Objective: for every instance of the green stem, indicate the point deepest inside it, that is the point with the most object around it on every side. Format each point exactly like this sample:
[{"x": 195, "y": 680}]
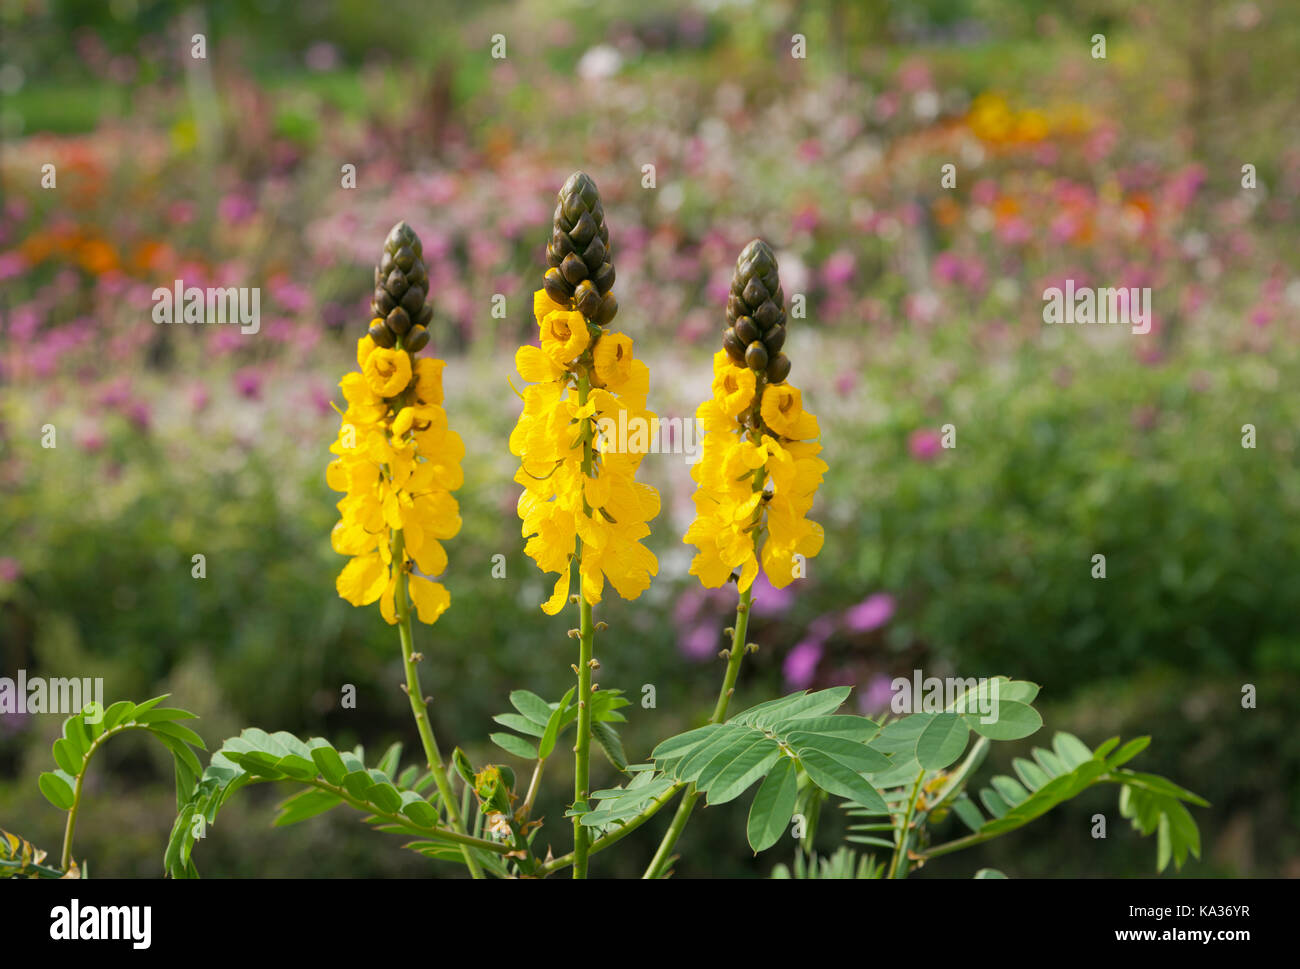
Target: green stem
[
  {"x": 659, "y": 863},
  {"x": 586, "y": 632},
  {"x": 977, "y": 838},
  {"x": 418, "y": 708},
  {"x": 440, "y": 834},
  {"x": 949, "y": 847},
  {"x": 21, "y": 869},
  {"x": 527, "y": 809},
  {"x": 905, "y": 833},
  {"x": 604, "y": 841},
  {"x": 70, "y": 828}
]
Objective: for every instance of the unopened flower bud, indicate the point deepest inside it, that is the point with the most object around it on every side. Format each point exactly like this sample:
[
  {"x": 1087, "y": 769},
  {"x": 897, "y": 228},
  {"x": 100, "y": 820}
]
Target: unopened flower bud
[{"x": 416, "y": 339}]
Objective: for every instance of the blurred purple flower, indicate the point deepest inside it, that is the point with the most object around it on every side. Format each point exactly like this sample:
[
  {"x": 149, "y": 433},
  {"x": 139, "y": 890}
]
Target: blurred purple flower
[
  {"x": 871, "y": 613},
  {"x": 248, "y": 383},
  {"x": 24, "y": 323},
  {"x": 700, "y": 641},
  {"x": 139, "y": 414},
  {"x": 116, "y": 394},
  {"x": 801, "y": 664},
  {"x": 321, "y": 56},
  {"x": 320, "y": 398},
  {"x": 838, "y": 269},
  {"x": 876, "y": 696},
  {"x": 924, "y": 444},
  {"x": 770, "y": 601},
  {"x": 290, "y": 295},
  {"x": 91, "y": 439},
  {"x": 12, "y": 264},
  {"x": 181, "y": 213},
  {"x": 235, "y": 208}
]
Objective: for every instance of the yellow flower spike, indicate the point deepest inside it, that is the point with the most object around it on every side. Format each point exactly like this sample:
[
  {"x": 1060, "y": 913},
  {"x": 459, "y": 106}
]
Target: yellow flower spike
[
  {"x": 397, "y": 463},
  {"x": 758, "y": 472},
  {"x": 581, "y": 507},
  {"x": 397, "y": 460}
]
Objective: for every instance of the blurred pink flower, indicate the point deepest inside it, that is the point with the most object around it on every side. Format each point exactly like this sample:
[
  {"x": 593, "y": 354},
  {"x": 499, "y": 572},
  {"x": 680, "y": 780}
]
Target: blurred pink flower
[
  {"x": 289, "y": 294},
  {"x": 91, "y": 439},
  {"x": 806, "y": 218},
  {"x": 248, "y": 383},
  {"x": 320, "y": 398},
  {"x": 139, "y": 414},
  {"x": 871, "y": 613},
  {"x": 809, "y": 150},
  {"x": 236, "y": 208},
  {"x": 770, "y": 601},
  {"x": 984, "y": 192},
  {"x": 914, "y": 75},
  {"x": 876, "y": 697},
  {"x": 181, "y": 213},
  {"x": 800, "y": 664},
  {"x": 924, "y": 444},
  {"x": 321, "y": 56},
  {"x": 838, "y": 269},
  {"x": 10, "y": 570},
  {"x": 700, "y": 641},
  {"x": 12, "y": 264},
  {"x": 116, "y": 394}
]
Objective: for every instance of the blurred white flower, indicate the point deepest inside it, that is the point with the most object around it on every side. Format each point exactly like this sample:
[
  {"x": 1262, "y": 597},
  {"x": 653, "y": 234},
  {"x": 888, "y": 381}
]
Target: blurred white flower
[
  {"x": 794, "y": 274},
  {"x": 599, "y": 62},
  {"x": 925, "y": 105}
]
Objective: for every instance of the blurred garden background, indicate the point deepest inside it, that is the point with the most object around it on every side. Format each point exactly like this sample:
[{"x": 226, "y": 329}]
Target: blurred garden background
[{"x": 924, "y": 308}]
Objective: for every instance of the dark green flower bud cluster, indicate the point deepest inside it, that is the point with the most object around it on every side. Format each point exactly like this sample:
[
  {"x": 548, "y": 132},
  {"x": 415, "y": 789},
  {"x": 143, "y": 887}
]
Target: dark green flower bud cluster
[
  {"x": 401, "y": 300},
  {"x": 756, "y": 316},
  {"x": 581, "y": 273}
]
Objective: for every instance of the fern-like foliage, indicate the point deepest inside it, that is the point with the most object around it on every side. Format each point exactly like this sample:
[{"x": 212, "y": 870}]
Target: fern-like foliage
[{"x": 329, "y": 777}]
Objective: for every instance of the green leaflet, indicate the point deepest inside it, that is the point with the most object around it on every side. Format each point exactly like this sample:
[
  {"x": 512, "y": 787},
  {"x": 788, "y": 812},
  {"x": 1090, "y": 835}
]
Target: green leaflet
[
  {"x": 773, "y": 805},
  {"x": 546, "y": 722},
  {"x": 942, "y": 741},
  {"x": 725, "y": 760}
]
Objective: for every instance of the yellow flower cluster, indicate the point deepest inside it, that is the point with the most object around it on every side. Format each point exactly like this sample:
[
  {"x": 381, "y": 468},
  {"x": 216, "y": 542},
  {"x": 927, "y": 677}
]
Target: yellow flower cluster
[
  {"x": 758, "y": 473},
  {"x": 398, "y": 462},
  {"x": 994, "y": 120},
  {"x": 579, "y": 484}
]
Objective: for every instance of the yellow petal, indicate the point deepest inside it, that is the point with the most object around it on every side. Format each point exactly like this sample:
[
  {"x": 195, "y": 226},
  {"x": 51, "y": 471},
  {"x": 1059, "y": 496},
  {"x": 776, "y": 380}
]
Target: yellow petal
[
  {"x": 535, "y": 366},
  {"x": 561, "y": 594},
  {"x": 362, "y": 580},
  {"x": 365, "y": 345},
  {"x": 431, "y": 599}
]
